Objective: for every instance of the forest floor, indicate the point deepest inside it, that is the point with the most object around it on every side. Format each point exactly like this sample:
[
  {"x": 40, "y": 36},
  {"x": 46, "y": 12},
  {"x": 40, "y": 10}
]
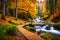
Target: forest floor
[
  {"x": 19, "y": 36},
  {"x": 10, "y": 18}
]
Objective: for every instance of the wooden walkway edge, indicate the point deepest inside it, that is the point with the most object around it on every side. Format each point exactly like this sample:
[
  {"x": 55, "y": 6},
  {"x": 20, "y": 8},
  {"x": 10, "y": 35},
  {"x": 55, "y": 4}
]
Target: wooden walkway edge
[{"x": 27, "y": 34}]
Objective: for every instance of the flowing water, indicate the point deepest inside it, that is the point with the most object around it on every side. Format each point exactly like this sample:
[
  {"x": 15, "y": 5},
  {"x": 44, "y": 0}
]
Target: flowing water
[{"x": 45, "y": 29}]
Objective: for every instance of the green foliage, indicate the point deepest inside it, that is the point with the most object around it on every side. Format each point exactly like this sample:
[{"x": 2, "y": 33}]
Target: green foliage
[
  {"x": 24, "y": 15},
  {"x": 11, "y": 7},
  {"x": 40, "y": 14},
  {"x": 30, "y": 28},
  {"x": 2, "y": 32},
  {"x": 7, "y": 29},
  {"x": 45, "y": 18},
  {"x": 15, "y": 23},
  {"x": 8, "y": 38},
  {"x": 27, "y": 27},
  {"x": 3, "y": 17},
  {"x": 57, "y": 26},
  {"x": 50, "y": 6},
  {"x": 48, "y": 35},
  {"x": 12, "y": 29}
]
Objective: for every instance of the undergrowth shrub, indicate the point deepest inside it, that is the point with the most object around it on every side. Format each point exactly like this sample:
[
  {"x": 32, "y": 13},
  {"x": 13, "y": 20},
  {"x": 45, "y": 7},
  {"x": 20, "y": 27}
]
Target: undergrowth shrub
[
  {"x": 48, "y": 36},
  {"x": 7, "y": 29},
  {"x": 30, "y": 28}
]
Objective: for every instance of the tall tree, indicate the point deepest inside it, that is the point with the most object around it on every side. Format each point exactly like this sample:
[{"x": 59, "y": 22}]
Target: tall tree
[
  {"x": 7, "y": 9},
  {"x": 0, "y": 6},
  {"x": 16, "y": 8},
  {"x": 50, "y": 5},
  {"x": 3, "y": 9}
]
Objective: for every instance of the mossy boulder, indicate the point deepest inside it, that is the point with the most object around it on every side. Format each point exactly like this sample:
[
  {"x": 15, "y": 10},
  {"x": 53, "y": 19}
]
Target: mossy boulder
[
  {"x": 29, "y": 28},
  {"x": 57, "y": 26},
  {"x": 48, "y": 36}
]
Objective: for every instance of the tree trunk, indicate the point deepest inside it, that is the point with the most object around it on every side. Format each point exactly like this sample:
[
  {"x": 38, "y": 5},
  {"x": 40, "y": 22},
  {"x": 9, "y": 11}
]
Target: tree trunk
[
  {"x": 3, "y": 9},
  {"x": 16, "y": 9},
  {"x": 14, "y": 13},
  {"x": 7, "y": 10}
]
